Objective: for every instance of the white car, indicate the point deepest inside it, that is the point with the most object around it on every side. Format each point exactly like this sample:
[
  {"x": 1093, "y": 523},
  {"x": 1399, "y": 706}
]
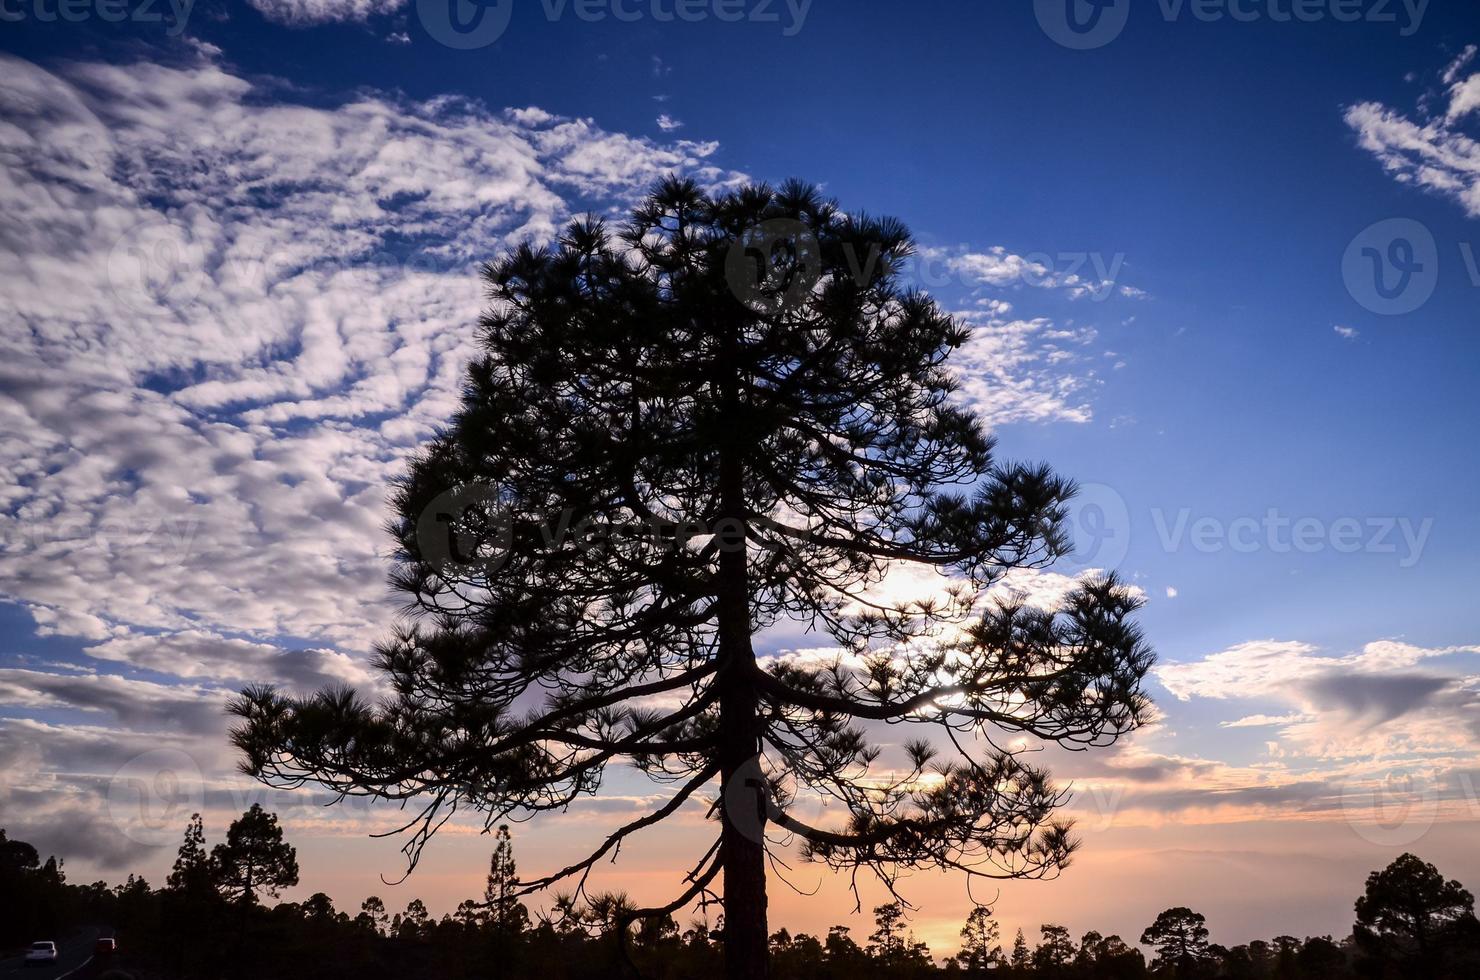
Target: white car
[{"x": 43, "y": 952}]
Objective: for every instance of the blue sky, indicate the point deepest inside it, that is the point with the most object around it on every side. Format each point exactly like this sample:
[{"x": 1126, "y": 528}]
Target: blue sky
[{"x": 1160, "y": 239}]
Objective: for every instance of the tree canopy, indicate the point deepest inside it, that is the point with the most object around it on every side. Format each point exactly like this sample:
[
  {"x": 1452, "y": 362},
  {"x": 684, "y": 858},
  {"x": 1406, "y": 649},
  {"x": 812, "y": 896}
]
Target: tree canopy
[
  {"x": 253, "y": 858},
  {"x": 1411, "y": 916},
  {"x": 729, "y": 411},
  {"x": 1180, "y": 937}
]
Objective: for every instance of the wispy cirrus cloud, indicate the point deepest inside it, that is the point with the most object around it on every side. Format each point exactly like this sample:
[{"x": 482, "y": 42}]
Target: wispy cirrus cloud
[{"x": 1437, "y": 150}]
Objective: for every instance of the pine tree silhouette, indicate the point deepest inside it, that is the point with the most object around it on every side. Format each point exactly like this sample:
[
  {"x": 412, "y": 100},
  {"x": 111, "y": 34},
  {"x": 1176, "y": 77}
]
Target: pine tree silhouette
[{"x": 730, "y": 412}]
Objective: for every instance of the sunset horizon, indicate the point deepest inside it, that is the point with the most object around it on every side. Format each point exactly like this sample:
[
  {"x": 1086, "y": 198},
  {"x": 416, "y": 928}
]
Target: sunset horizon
[{"x": 636, "y": 404}]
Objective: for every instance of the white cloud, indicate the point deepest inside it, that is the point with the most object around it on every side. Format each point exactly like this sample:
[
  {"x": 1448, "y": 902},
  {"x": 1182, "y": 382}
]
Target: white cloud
[
  {"x": 1261, "y": 668},
  {"x": 1017, "y": 370},
  {"x": 1434, "y": 152},
  {"x": 1081, "y": 274},
  {"x": 215, "y": 355},
  {"x": 305, "y": 13},
  {"x": 1261, "y": 721},
  {"x": 217, "y": 350},
  {"x": 1343, "y": 707},
  {"x": 668, "y": 124},
  {"x": 1346, "y": 333},
  {"x": 1451, "y": 73}
]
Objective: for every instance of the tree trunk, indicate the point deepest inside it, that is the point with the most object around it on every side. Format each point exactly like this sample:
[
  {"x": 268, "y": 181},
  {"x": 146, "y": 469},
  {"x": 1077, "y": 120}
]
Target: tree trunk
[
  {"x": 741, "y": 849},
  {"x": 742, "y": 837}
]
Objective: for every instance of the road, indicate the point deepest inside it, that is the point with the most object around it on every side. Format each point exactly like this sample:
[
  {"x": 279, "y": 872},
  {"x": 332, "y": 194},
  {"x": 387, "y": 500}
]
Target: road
[{"x": 74, "y": 959}]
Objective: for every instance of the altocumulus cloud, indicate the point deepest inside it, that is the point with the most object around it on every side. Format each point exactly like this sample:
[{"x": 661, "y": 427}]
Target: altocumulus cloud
[{"x": 233, "y": 311}]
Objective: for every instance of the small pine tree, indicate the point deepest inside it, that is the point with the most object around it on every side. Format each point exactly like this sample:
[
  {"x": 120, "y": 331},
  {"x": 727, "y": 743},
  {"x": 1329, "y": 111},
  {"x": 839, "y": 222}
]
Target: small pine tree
[
  {"x": 372, "y": 915},
  {"x": 414, "y": 924},
  {"x": 887, "y": 942},
  {"x": 1180, "y": 936},
  {"x": 255, "y": 857},
  {"x": 192, "y": 872},
  {"x": 1019, "y": 952},
  {"x": 1056, "y": 951},
  {"x": 505, "y": 912},
  {"x": 979, "y": 946},
  {"x": 470, "y": 915}
]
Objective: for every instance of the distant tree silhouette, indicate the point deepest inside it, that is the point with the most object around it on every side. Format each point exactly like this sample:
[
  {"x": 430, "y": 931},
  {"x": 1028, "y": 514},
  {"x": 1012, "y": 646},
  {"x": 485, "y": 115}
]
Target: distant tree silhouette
[
  {"x": 373, "y": 915},
  {"x": 1410, "y": 916},
  {"x": 32, "y": 893},
  {"x": 1180, "y": 936},
  {"x": 191, "y": 899},
  {"x": 891, "y": 945},
  {"x": 1021, "y": 958},
  {"x": 320, "y": 907},
  {"x": 981, "y": 949},
  {"x": 887, "y": 942},
  {"x": 254, "y": 858},
  {"x": 191, "y": 875},
  {"x": 797, "y": 956},
  {"x": 1055, "y": 952},
  {"x": 1089, "y": 944},
  {"x": 841, "y": 949},
  {"x": 730, "y": 412},
  {"x": 501, "y": 895},
  {"x": 412, "y": 924},
  {"x": 1321, "y": 959},
  {"x": 311, "y": 939},
  {"x": 17, "y": 856},
  {"x": 1109, "y": 958}
]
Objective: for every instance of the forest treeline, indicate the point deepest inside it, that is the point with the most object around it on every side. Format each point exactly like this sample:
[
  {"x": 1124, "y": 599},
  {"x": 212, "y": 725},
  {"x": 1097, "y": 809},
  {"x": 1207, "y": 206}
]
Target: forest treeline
[{"x": 210, "y": 920}]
